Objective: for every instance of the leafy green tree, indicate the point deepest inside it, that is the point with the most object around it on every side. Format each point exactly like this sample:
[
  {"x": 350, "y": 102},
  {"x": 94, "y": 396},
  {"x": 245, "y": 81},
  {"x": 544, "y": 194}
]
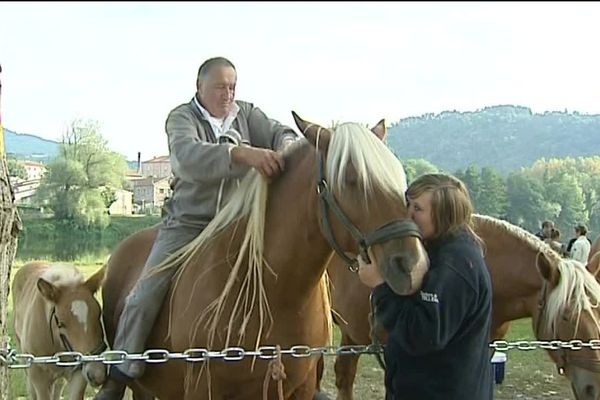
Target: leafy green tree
[
  {"x": 416, "y": 167},
  {"x": 527, "y": 205},
  {"x": 492, "y": 197},
  {"x": 81, "y": 180},
  {"x": 15, "y": 167},
  {"x": 472, "y": 179},
  {"x": 565, "y": 191},
  {"x": 572, "y": 184}
]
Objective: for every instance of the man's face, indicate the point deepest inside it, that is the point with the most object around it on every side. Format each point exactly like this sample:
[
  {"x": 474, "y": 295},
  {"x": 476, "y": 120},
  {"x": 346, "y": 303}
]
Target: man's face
[
  {"x": 548, "y": 229},
  {"x": 217, "y": 91}
]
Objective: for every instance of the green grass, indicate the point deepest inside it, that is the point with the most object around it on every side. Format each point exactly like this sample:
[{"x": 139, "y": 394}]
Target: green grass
[{"x": 529, "y": 374}]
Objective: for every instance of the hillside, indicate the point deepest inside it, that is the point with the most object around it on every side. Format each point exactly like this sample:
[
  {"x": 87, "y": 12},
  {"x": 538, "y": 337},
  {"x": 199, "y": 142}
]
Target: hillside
[
  {"x": 27, "y": 146},
  {"x": 503, "y": 137}
]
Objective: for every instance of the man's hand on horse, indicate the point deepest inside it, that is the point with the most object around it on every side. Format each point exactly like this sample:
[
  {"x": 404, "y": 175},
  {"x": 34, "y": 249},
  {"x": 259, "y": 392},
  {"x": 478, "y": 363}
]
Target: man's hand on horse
[{"x": 268, "y": 162}]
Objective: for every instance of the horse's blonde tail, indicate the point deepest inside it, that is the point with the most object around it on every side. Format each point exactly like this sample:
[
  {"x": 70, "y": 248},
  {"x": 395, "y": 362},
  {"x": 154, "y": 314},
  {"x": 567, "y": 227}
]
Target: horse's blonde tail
[{"x": 326, "y": 294}]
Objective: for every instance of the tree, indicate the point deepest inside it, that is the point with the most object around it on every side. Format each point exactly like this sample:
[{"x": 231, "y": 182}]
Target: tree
[
  {"x": 527, "y": 206},
  {"x": 473, "y": 182},
  {"x": 10, "y": 225},
  {"x": 15, "y": 167},
  {"x": 415, "y": 167},
  {"x": 492, "y": 199},
  {"x": 78, "y": 183}
]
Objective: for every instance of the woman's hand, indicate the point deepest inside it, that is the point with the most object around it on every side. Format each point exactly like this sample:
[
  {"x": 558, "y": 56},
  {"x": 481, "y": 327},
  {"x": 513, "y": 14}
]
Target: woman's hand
[{"x": 369, "y": 273}]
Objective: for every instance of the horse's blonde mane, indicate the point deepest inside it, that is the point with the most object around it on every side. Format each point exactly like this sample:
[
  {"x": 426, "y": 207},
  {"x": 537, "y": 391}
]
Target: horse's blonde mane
[
  {"x": 375, "y": 165},
  {"x": 577, "y": 289},
  {"x": 374, "y": 162},
  {"x": 518, "y": 233},
  {"x": 62, "y": 275}
]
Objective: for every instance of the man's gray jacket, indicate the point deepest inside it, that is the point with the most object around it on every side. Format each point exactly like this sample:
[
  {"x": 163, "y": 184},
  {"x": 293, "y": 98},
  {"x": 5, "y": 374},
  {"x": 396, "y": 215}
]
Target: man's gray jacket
[{"x": 204, "y": 174}]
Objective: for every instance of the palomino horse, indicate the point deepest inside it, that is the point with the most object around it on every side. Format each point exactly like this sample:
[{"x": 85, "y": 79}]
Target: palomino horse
[
  {"x": 55, "y": 311},
  {"x": 255, "y": 276},
  {"x": 593, "y": 264},
  {"x": 568, "y": 295}
]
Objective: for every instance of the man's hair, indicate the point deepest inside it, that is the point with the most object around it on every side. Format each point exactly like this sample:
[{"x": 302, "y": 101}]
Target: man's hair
[
  {"x": 547, "y": 224},
  {"x": 581, "y": 229},
  {"x": 211, "y": 63},
  {"x": 451, "y": 205}
]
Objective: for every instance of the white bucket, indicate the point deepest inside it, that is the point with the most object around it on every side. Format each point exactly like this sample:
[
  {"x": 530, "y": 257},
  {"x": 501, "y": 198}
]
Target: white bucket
[{"x": 498, "y": 363}]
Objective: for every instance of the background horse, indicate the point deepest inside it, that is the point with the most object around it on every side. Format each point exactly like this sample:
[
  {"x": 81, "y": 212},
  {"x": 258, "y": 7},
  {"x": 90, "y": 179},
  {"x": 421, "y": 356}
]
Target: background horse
[
  {"x": 595, "y": 247},
  {"x": 254, "y": 276},
  {"x": 55, "y": 311},
  {"x": 511, "y": 255}
]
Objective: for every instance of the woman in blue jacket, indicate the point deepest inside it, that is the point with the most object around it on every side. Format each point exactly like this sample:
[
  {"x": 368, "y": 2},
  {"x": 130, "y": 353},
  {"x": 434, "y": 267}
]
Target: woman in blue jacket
[{"x": 438, "y": 344}]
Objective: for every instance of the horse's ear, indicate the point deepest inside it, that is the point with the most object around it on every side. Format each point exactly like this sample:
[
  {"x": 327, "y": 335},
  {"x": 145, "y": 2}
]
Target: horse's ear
[
  {"x": 380, "y": 130},
  {"x": 95, "y": 281},
  {"x": 547, "y": 270},
  {"x": 48, "y": 290},
  {"x": 313, "y": 132}
]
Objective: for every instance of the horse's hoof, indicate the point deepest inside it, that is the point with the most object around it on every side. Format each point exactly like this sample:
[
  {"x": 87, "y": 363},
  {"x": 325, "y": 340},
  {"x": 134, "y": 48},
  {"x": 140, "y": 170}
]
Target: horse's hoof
[{"x": 321, "y": 396}]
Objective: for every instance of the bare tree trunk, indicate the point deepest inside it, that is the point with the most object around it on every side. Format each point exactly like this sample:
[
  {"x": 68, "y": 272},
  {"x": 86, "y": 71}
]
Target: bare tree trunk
[{"x": 10, "y": 225}]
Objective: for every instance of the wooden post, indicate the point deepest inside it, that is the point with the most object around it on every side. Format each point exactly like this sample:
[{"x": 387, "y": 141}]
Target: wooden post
[{"x": 10, "y": 225}]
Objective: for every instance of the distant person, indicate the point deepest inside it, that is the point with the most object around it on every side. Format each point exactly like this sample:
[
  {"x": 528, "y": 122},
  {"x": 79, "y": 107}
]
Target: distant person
[
  {"x": 555, "y": 243},
  {"x": 546, "y": 230},
  {"x": 580, "y": 250}
]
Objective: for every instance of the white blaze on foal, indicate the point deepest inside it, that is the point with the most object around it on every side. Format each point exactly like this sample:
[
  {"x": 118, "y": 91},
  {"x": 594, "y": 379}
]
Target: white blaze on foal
[{"x": 80, "y": 310}]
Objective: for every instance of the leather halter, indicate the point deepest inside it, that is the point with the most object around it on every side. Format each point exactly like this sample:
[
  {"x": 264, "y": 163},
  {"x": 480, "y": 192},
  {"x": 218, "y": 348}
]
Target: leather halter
[
  {"x": 392, "y": 230},
  {"x": 564, "y": 356},
  {"x": 65, "y": 340}
]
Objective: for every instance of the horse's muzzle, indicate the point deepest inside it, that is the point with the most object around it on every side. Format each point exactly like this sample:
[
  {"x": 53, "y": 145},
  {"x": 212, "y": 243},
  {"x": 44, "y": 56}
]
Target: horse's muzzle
[{"x": 404, "y": 273}]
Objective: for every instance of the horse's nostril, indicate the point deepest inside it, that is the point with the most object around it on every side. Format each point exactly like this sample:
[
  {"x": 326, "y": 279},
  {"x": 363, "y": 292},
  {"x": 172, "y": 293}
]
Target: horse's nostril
[
  {"x": 399, "y": 262},
  {"x": 397, "y": 273}
]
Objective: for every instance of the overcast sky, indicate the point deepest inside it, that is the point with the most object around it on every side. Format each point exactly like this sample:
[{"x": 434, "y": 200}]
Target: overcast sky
[{"x": 127, "y": 65}]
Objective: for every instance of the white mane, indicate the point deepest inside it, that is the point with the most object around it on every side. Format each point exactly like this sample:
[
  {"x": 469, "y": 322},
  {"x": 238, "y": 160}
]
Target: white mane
[{"x": 577, "y": 291}]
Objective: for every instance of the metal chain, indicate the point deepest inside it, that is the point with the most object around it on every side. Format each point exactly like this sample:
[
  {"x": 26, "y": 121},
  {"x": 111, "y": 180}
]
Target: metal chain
[{"x": 10, "y": 358}]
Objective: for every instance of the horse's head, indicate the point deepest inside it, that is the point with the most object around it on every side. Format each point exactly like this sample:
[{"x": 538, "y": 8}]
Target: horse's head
[
  {"x": 75, "y": 319},
  {"x": 361, "y": 186},
  {"x": 569, "y": 312}
]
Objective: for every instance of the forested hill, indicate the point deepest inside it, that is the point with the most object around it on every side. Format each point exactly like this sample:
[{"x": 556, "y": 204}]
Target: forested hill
[{"x": 503, "y": 137}]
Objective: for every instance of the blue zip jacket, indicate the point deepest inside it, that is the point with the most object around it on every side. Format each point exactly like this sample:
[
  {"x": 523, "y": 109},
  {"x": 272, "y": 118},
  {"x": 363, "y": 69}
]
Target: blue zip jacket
[{"x": 438, "y": 344}]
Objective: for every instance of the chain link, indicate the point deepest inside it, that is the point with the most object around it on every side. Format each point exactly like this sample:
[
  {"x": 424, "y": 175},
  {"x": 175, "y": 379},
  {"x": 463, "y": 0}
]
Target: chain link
[{"x": 10, "y": 358}]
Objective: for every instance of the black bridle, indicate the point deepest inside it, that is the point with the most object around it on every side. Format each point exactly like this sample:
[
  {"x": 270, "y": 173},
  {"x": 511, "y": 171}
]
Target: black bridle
[
  {"x": 64, "y": 339},
  {"x": 392, "y": 230}
]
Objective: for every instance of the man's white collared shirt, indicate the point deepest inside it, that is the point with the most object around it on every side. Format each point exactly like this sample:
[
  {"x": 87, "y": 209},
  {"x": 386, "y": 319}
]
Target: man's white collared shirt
[{"x": 219, "y": 125}]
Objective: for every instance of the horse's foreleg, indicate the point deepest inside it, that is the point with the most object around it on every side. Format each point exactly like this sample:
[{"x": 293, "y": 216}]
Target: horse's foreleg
[
  {"x": 31, "y": 388},
  {"x": 140, "y": 394},
  {"x": 57, "y": 389},
  {"x": 306, "y": 390},
  {"x": 77, "y": 385},
  {"x": 345, "y": 371},
  {"x": 40, "y": 383}
]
